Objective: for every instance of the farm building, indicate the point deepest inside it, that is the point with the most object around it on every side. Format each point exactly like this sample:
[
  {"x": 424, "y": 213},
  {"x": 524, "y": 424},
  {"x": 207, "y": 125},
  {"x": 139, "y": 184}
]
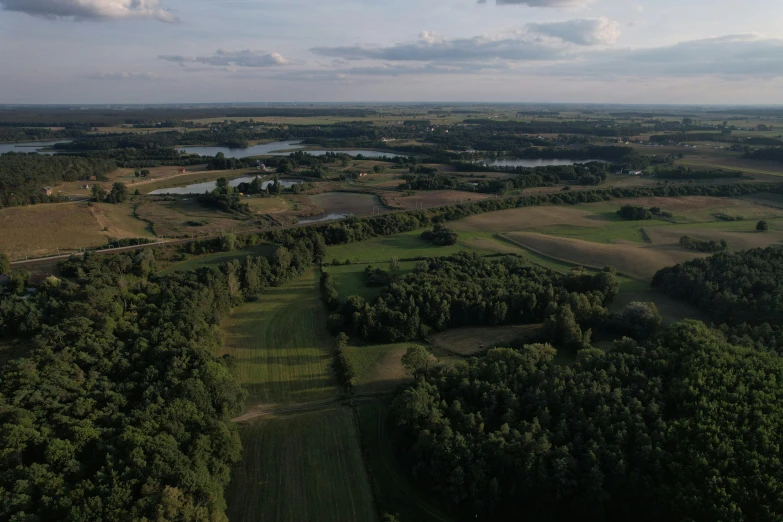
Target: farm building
[
  {"x": 47, "y": 191},
  {"x": 182, "y": 170}
]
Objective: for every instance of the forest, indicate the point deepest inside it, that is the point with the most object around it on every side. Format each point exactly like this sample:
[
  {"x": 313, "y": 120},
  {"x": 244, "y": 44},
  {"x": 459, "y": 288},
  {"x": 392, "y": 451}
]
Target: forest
[
  {"x": 120, "y": 411},
  {"x": 23, "y": 176},
  {"x": 468, "y": 290},
  {"x": 684, "y": 427},
  {"x": 741, "y": 292}
]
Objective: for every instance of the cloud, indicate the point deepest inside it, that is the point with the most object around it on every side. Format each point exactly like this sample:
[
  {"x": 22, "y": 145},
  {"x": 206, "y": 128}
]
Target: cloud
[
  {"x": 586, "y": 31},
  {"x": 568, "y": 4},
  {"x": 515, "y": 46},
  {"x": 226, "y": 57},
  {"x": 123, "y": 76},
  {"x": 91, "y": 9},
  {"x": 735, "y": 55}
]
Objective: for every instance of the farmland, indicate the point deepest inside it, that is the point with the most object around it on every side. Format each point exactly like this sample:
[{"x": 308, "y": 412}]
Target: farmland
[
  {"x": 280, "y": 346},
  {"x": 302, "y": 466}
]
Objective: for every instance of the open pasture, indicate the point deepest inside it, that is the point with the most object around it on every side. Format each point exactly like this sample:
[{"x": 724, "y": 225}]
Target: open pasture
[
  {"x": 346, "y": 202},
  {"x": 184, "y": 217},
  {"x": 298, "y": 467},
  {"x": 636, "y": 261},
  {"x": 432, "y": 198},
  {"x": 280, "y": 345}
]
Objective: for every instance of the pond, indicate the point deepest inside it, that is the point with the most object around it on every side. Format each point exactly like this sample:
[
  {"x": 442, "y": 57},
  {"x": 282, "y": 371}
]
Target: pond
[
  {"x": 31, "y": 146},
  {"x": 268, "y": 149},
  {"x": 532, "y": 163},
  {"x": 324, "y": 217},
  {"x": 208, "y": 186}
]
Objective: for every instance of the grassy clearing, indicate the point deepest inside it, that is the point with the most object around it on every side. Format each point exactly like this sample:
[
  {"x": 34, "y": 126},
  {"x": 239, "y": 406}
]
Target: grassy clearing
[
  {"x": 346, "y": 202},
  {"x": 394, "y": 490},
  {"x": 214, "y": 260},
  {"x": 349, "y": 279},
  {"x": 267, "y": 205},
  {"x": 282, "y": 350},
  {"x": 176, "y": 218},
  {"x": 306, "y": 466},
  {"x": 473, "y": 340}
]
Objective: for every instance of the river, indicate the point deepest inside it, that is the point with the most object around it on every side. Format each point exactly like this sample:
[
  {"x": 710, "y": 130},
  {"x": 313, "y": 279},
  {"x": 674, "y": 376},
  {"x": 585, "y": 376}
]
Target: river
[
  {"x": 532, "y": 163},
  {"x": 267, "y": 149},
  {"x": 31, "y": 146}
]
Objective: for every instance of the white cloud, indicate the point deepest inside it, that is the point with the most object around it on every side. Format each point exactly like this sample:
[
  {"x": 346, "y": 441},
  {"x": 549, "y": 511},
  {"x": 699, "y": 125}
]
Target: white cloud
[
  {"x": 731, "y": 56},
  {"x": 123, "y": 76},
  {"x": 91, "y": 9},
  {"x": 516, "y": 46},
  {"x": 586, "y": 31},
  {"x": 227, "y": 57},
  {"x": 568, "y": 4}
]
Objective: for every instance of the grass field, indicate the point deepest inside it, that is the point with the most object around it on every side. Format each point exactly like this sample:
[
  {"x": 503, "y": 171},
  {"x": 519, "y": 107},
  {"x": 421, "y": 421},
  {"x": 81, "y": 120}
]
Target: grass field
[
  {"x": 301, "y": 467},
  {"x": 267, "y": 205},
  {"x": 281, "y": 348},
  {"x": 214, "y": 260},
  {"x": 432, "y": 198},
  {"x": 174, "y": 218},
  {"x": 346, "y": 202},
  {"x": 394, "y": 491}
]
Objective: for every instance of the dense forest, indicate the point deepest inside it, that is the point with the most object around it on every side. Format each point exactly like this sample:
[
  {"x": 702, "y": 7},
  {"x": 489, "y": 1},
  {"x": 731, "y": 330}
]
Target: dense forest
[
  {"x": 120, "y": 411},
  {"x": 740, "y": 291},
  {"x": 23, "y": 176},
  {"x": 685, "y": 427},
  {"x": 468, "y": 290}
]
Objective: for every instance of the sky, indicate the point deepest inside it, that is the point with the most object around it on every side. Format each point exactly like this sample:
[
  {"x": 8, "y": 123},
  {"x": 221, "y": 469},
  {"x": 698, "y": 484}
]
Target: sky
[{"x": 535, "y": 51}]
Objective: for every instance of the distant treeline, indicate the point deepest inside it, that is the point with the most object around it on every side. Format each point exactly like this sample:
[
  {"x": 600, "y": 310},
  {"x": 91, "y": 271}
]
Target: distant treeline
[
  {"x": 19, "y": 135},
  {"x": 24, "y": 176}
]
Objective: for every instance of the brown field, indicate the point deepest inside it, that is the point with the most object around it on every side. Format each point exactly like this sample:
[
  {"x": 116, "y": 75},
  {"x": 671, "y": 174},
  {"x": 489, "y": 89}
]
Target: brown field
[
  {"x": 529, "y": 217},
  {"x": 469, "y": 341},
  {"x": 433, "y": 198},
  {"x": 738, "y": 239},
  {"x": 41, "y": 230},
  {"x": 766, "y": 199},
  {"x": 346, "y": 202},
  {"x": 687, "y": 203},
  {"x": 639, "y": 261}
]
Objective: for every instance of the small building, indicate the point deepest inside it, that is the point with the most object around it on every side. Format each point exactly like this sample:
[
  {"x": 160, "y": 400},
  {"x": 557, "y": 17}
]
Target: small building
[
  {"x": 362, "y": 174},
  {"x": 86, "y": 187},
  {"x": 182, "y": 170},
  {"x": 47, "y": 191}
]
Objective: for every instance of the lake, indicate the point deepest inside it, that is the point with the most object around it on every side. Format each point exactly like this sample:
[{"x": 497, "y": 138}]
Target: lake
[
  {"x": 532, "y": 163},
  {"x": 267, "y": 149},
  {"x": 208, "y": 186},
  {"x": 31, "y": 146}
]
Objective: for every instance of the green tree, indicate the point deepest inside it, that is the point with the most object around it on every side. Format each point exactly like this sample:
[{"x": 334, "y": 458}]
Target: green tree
[
  {"x": 17, "y": 281},
  {"x": 98, "y": 193},
  {"x": 394, "y": 265},
  {"x": 416, "y": 361},
  {"x": 5, "y": 264},
  {"x": 762, "y": 226},
  {"x": 228, "y": 242}
]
